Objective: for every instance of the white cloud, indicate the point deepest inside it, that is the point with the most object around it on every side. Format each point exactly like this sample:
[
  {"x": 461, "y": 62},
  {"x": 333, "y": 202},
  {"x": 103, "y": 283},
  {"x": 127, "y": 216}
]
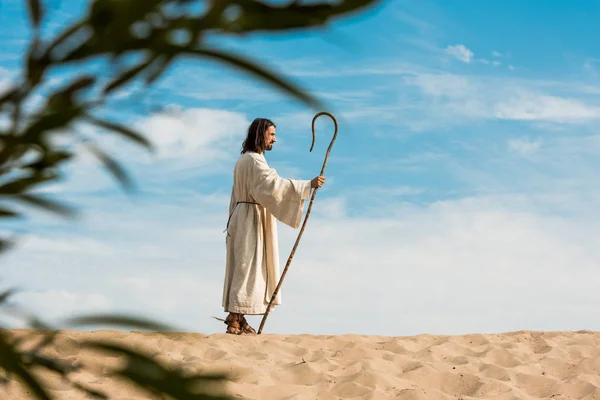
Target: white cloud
[
  {"x": 408, "y": 19},
  {"x": 460, "y": 52},
  {"x": 193, "y": 133},
  {"x": 52, "y": 245},
  {"x": 331, "y": 207},
  {"x": 51, "y": 303},
  {"x": 524, "y": 146},
  {"x": 457, "y": 99},
  {"x": 442, "y": 85},
  {"x": 590, "y": 67},
  {"x": 530, "y": 106},
  {"x": 497, "y": 54}
]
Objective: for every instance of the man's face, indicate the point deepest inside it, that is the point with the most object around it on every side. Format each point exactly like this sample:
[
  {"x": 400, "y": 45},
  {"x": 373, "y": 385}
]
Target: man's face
[{"x": 270, "y": 138}]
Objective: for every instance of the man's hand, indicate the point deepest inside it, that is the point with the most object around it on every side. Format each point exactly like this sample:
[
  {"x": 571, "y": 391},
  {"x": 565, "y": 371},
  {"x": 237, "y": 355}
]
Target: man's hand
[{"x": 317, "y": 182}]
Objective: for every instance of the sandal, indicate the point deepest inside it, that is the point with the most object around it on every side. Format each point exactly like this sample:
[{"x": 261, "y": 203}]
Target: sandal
[
  {"x": 246, "y": 328},
  {"x": 233, "y": 324},
  {"x": 237, "y": 325}
]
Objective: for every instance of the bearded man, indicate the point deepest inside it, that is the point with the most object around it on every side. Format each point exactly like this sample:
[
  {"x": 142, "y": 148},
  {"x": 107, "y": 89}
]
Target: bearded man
[{"x": 259, "y": 198}]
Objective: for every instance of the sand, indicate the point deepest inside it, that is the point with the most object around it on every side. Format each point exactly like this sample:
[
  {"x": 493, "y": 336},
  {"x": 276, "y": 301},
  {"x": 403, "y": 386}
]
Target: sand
[{"x": 519, "y": 365}]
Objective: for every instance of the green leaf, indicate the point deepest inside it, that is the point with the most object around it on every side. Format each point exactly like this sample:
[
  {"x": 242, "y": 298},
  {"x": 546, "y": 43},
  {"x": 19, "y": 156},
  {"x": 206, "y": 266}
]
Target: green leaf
[
  {"x": 119, "y": 320},
  {"x": 128, "y": 75},
  {"x": 258, "y": 71},
  {"x": 35, "y": 66},
  {"x": 21, "y": 185},
  {"x": 11, "y": 362},
  {"x": 256, "y": 16},
  {"x": 50, "y": 159},
  {"x": 48, "y": 205},
  {"x": 82, "y": 82},
  {"x": 59, "y": 119},
  {"x": 9, "y": 95},
  {"x": 31, "y": 359},
  {"x": 6, "y": 213},
  {"x": 35, "y": 12},
  {"x": 90, "y": 392},
  {"x": 68, "y": 33},
  {"x": 113, "y": 166},
  {"x": 5, "y": 245},
  {"x": 6, "y": 294},
  {"x": 128, "y": 133},
  {"x": 36, "y": 327},
  {"x": 157, "y": 68},
  {"x": 153, "y": 377}
]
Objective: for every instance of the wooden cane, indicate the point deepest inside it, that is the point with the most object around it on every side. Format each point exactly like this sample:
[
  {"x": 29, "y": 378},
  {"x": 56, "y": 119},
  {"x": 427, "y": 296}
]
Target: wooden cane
[{"x": 287, "y": 265}]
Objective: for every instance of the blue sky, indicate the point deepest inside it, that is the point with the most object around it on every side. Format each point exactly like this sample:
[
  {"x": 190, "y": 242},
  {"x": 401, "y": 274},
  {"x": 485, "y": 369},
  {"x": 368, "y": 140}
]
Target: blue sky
[{"x": 462, "y": 191}]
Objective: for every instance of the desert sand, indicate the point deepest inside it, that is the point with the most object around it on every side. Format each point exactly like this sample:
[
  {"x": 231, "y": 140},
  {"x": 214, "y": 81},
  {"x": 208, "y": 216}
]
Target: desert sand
[{"x": 518, "y": 365}]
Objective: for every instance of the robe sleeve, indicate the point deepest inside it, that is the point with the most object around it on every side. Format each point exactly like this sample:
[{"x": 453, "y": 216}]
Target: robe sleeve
[{"x": 283, "y": 198}]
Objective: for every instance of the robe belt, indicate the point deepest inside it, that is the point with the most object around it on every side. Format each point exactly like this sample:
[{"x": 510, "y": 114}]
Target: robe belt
[{"x": 234, "y": 207}]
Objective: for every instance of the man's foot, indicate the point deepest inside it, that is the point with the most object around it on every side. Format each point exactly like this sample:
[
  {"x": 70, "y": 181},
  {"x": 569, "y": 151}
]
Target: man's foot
[
  {"x": 233, "y": 324},
  {"x": 237, "y": 325},
  {"x": 246, "y": 328}
]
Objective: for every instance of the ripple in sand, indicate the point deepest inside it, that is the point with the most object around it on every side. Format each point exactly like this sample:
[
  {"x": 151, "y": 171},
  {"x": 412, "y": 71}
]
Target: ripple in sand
[
  {"x": 214, "y": 354},
  {"x": 500, "y": 357},
  {"x": 411, "y": 394},
  {"x": 394, "y": 347},
  {"x": 300, "y": 374},
  {"x": 537, "y": 386},
  {"x": 494, "y": 372},
  {"x": 577, "y": 388},
  {"x": 350, "y": 390}
]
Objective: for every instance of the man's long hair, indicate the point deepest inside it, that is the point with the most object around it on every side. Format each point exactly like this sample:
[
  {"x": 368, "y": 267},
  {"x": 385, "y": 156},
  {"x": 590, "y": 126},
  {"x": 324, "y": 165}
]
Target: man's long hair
[{"x": 255, "y": 139}]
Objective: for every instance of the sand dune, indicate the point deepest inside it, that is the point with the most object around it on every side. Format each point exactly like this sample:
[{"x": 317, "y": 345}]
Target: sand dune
[{"x": 519, "y": 365}]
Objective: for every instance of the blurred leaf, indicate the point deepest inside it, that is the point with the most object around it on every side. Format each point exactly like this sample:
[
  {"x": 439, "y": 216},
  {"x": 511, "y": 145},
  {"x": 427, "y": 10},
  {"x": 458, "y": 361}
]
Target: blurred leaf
[
  {"x": 128, "y": 133},
  {"x": 23, "y": 184},
  {"x": 67, "y": 34},
  {"x": 36, "y": 323},
  {"x": 11, "y": 362},
  {"x": 128, "y": 75},
  {"x": 125, "y": 321},
  {"x": 54, "y": 120},
  {"x": 9, "y": 95},
  {"x": 31, "y": 359},
  {"x": 6, "y": 294},
  {"x": 48, "y": 205},
  {"x": 113, "y": 166},
  {"x": 35, "y": 66},
  {"x": 80, "y": 83},
  {"x": 6, "y": 213},
  {"x": 5, "y": 245},
  {"x": 50, "y": 159},
  {"x": 36, "y": 329},
  {"x": 64, "y": 97},
  {"x": 263, "y": 73},
  {"x": 155, "y": 378},
  {"x": 90, "y": 392},
  {"x": 257, "y": 16},
  {"x": 157, "y": 68},
  {"x": 35, "y": 12}
]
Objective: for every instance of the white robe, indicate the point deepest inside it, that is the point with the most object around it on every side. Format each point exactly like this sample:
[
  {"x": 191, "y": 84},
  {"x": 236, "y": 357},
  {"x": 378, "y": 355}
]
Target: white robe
[{"x": 252, "y": 267}]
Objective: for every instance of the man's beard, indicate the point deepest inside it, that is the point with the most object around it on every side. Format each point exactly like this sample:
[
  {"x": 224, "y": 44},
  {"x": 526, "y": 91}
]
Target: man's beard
[{"x": 269, "y": 147}]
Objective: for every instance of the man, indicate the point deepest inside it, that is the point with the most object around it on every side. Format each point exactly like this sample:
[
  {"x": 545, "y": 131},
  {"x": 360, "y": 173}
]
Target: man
[{"x": 259, "y": 197}]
